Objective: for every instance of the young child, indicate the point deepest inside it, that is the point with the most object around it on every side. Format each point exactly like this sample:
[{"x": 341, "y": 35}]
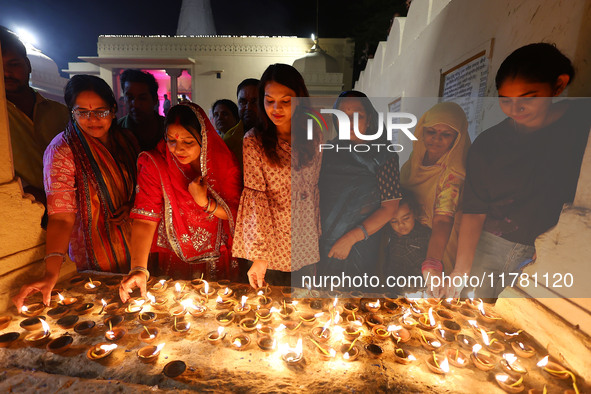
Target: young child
[{"x": 408, "y": 240}]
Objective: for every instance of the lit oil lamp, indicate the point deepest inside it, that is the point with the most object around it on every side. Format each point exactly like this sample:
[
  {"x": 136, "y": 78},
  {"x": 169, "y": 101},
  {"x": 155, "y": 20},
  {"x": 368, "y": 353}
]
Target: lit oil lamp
[
  {"x": 104, "y": 303},
  {"x": 84, "y": 327},
  {"x": 492, "y": 344},
  {"x": 407, "y": 321},
  {"x": 292, "y": 356},
  {"x": 558, "y": 371},
  {"x": 264, "y": 301},
  {"x": 487, "y": 317},
  {"x": 66, "y": 301},
  {"x": 466, "y": 342},
  {"x": 198, "y": 283},
  {"x": 178, "y": 291},
  {"x": 84, "y": 309},
  {"x": 195, "y": 310},
  {"x": 113, "y": 321},
  {"x": 115, "y": 334},
  {"x": 511, "y": 365},
  {"x": 523, "y": 349},
  {"x": 135, "y": 307},
  {"x": 39, "y": 337},
  {"x": 100, "y": 351},
  {"x": 32, "y": 310},
  {"x": 156, "y": 303},
  {"x": 291, "y": 327},
  {"x": 243, "y": 308},
  {"x": 248, "y": 324},
  {"x": 309, "y": 318},
  {"x": 457, "y": 358},
  {"x": 471, "y": 302},
  {"x": 509, "y": 334},
  {"x": 321, "y": 334},
  {"x": 180, "y": 327},
  {"x": 149, "y": 354},
  {"x": 353, "y": 331},
  {"x": 427, "y": 321},
  {"x": 149, "y": 335},
  {"x": 399, "y": 333},
  {"x": 92, "y": 286},
  {"x": 240, "y": 342},
  {"x": 444, "y": 335},
  {"x": 216, "y": 336},
  {"x": 286, "y": 311},
  {"x": 416, "y": 310},
  {"x": 32, "y": 323},
  {"x": 373, "y": 307},
  {"x": 159, "y": 286},
  {"x": 225, "y": 293},
  {"x": 452, "y": 303},
  {"x": 430, "y": 342},
  {"x": 178, "y": 311},
  {"x": 482, "y": 361},
  {"x": 438, "y": 364},
  {"x": 403, "y": 356},
  {"x": 265, "y": 330},
  {"x": 206, "y": 291},
  {"x": 326, "y": 354},
  {"x": 60, "y": 344},
  {"x": 477, "y": 328},
  {"x": 354, "y": 318},
  {"x": 510, "y": 384},
  {"x": 349, "y": 351}
]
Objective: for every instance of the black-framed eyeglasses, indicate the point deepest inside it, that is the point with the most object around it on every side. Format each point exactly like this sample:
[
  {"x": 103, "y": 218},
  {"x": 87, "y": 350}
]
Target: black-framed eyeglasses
[{"x": 84, "y": 114}]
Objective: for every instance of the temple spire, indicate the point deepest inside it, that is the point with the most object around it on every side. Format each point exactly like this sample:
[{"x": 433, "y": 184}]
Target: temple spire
[{"x": 196, "y": 19}]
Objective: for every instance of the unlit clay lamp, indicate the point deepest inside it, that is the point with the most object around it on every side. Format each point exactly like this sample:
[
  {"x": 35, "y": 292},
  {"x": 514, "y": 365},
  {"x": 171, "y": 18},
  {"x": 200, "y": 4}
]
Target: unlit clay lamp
[{"x": 60, "y": 344}]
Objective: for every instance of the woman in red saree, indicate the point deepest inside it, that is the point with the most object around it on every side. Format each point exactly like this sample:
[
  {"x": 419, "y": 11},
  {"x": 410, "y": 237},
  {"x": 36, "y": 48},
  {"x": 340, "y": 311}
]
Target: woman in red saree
[{"x": 186, "y": 202}]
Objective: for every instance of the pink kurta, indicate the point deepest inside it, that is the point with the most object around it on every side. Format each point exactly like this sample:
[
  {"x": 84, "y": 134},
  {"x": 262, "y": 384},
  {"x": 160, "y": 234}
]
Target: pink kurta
[{"x": 265, "y": 221}]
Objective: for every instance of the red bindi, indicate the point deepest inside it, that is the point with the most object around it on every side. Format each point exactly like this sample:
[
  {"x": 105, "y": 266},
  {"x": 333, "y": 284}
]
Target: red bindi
[{"x": 176, "y": 136}]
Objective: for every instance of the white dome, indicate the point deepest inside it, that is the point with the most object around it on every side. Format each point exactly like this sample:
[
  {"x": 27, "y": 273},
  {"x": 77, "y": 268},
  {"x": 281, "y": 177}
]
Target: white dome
[{"x": 316, "y": 62}]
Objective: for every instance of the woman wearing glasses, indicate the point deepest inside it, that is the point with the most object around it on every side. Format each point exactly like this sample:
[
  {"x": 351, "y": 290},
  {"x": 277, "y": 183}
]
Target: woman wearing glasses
[
  {"x": 186, "y": 202},
  {"x": 89, "y": 175}
]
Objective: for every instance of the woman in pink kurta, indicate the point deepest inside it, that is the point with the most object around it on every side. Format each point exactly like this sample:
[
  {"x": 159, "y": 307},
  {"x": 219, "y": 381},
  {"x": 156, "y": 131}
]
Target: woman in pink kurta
[{"x": 278, "y": 219}]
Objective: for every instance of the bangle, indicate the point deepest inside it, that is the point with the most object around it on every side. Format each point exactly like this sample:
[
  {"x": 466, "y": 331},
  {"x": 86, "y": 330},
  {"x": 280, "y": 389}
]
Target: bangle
[
  {"x": 140, "y": 269},
  {"x": 365, "y": 233},
  {"x": 431, "y": 263},
  {"x": 208, "y": 205},
  {"x": 214, "y": 209},
  {"x": 55, "y": 254}
]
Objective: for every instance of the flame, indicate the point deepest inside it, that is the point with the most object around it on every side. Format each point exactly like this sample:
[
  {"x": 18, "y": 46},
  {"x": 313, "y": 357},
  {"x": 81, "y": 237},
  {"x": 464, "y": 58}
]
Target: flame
[
  {"x": 102, "y": 301},
  {"x": 444, "y": 365},
  {"x": 394, "y": 328},
  {"x": 481, "y": 309},
  {"x": 91, "y": 285},
  {"x": 226, "y": 291},
  {"x": 337, "y": 318},
  {"x": 259, "y": 326},
  {"x": 502, "y": 377},
  {"x": 476, "y": 348},
  {"x": 24, "y": 309},
  {"x": 543, "y": 362},
  {"x": 432, "y": 321},
  {"x": 485, "y": 337},
  {"x": 449, "y": 300},
  {"x": 280, "y": 328},
  {"x": 61, "y": 297},
  {"x": 319, "y": 314},
  {"x": 273, "y": 309},
  {"x": 220, "y": 330},
  {"x": 111, "y": 334},
  {"x": 435, "y": 343},
  {"x": 471, "y": 295},
  {"x": 45, "y": 325},
  {"x": 206, "y": 287},
  {"x": 244, "y": 298},
  {"x": 334, "y": 304},
  {"x": 219, "y": 300},
  {"x": 411, "y": 357},
  {"x": 332, "y": 352},
  {"x": 158, "y": 348},
  {"x": 140, "y": 302},
  {"x": 473, "y": 323},
  {"x": 298, "y": 349},
  {"x": 521, "y": 345},
  {"x": 108, "y": 348},
  {"x": 510, "y": 358},
  {"x": 177, "y": 287},
  {"x": 346, "y": 355},
  {"x": 237, "y": 343},
  {"x": 151, "y": 298},
  {"x": 188, "y": 303},
  {"x": 260, "y": 293},
  {"x": 294, "y": 303},
  {"x": 162, "y": 282}
]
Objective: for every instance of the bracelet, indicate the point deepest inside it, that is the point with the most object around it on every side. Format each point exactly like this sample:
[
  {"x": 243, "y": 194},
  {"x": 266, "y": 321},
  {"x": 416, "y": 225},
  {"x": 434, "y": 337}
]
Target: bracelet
[
  {"x": 55, "y": 254},
  {"x": 140, "y": 269},
  {"x": 365, "y": 233},
  {"x": 214, "y": 209},
  {"x": 208, "y": 205}
]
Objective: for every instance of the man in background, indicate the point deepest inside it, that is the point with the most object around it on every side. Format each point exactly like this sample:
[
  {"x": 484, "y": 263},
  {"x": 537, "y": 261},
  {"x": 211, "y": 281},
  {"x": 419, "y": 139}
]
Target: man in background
[
  {"x": 247, "y": 94},
  {"x": 140, "y": 90},
  {"x": 33, "y": 120}
]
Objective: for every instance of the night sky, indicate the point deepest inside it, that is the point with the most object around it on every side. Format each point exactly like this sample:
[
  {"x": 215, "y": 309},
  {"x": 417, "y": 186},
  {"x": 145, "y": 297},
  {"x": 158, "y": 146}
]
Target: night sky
[{"x": 67, "y": 29}]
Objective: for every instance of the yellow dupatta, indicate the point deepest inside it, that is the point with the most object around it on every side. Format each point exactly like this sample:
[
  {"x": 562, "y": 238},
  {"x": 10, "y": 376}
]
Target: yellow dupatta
[{"x": 426, "y": 181}]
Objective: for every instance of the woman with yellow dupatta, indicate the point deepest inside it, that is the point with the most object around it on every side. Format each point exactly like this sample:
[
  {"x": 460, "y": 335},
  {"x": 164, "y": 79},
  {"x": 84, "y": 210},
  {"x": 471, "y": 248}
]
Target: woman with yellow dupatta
[
  {"x": 89, "y": 174},
  {"x": 435, "y": 173}
]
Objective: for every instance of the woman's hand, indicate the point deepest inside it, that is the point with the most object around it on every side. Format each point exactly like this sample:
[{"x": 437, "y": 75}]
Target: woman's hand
[
  {"x": 44, "y": 286},
  {"x": 456, "y": 278},
  {"x": 256, "y": 273},
  {"x": 341, "y": 249},
  {"x": 433, "y": 286},
  {"x": 198, "y": 190},
  {"x": 137, "y": 279}
]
